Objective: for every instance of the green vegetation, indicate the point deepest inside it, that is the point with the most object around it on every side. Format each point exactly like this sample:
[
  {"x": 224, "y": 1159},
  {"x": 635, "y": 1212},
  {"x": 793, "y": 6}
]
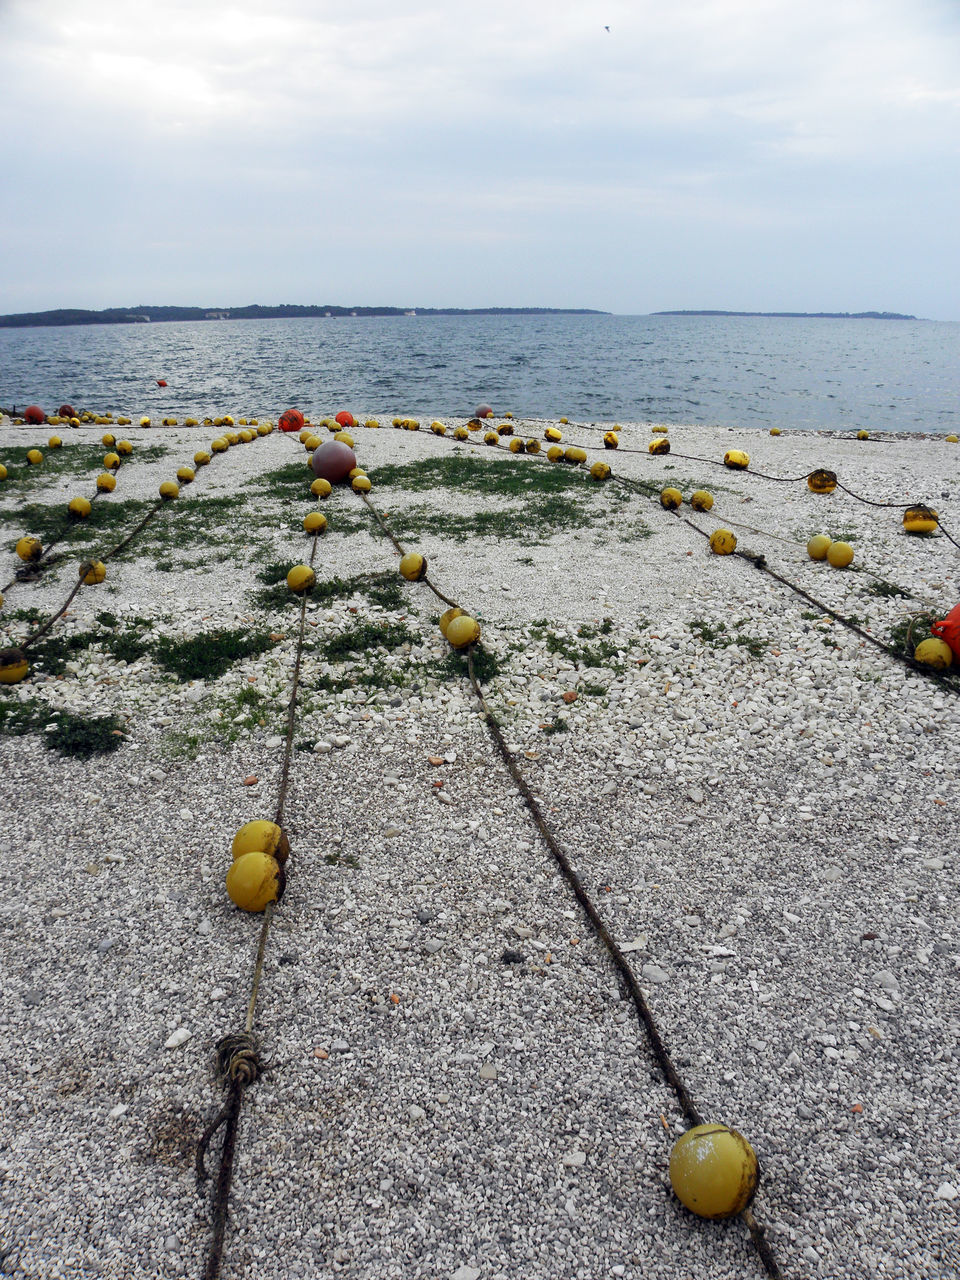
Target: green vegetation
[
  {"x": 208, "y": 655},
  {"x": 63, "y": 731},
  {"x": 887, "y": 590},
  {"x": 383, "y": 589},
  {"x": 597, "y": 655},
  {"x": 719, "y": 637},
  {"x": 363, "y": 637}
]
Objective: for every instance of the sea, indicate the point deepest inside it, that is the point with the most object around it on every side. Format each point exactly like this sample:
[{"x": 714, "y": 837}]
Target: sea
[{"x": 837, "y": 374}]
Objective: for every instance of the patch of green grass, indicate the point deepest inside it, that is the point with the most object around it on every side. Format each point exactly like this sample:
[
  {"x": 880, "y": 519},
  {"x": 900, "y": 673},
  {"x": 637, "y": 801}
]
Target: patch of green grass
[
  {"x": 507, "y": 477},
  {"x": 292, "y": 480},
  {"x": 486, "y": 665},
  {"x": 30, "y": 614},
  {"x": 363, "y": 637},
  {"x": 557, "y": 725},
  {"x": 342, "y": 860},
  {"x": 64, "y": 731},
  {"x": 210, "y": 654},
  {"x": 577, "y": 648},
  {"x": 720, "y": 638},
  {"x": 51, "y": 654},
  {"x": 886, "y": 590}
]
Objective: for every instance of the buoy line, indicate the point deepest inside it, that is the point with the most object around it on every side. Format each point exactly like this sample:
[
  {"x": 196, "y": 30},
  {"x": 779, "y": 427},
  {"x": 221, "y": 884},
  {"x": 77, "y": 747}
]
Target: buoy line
[
  {"x": 92, "y": 571},
  {"x": 760, "y": 562},
  {"x": 238, "y": 1061},
  {"x": 35, "y": 568},
  {"x": 688, "y": 1108}
]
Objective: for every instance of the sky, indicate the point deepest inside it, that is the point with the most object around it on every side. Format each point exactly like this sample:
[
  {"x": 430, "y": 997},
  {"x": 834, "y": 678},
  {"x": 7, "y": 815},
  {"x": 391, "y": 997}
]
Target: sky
[{"x": 625, "y": 155}]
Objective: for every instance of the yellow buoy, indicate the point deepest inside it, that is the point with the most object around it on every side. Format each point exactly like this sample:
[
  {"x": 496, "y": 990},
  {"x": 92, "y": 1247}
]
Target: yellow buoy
[
  {"x": 438, "y": 428},
  {"x": 701, "y": 500},
  {"x": 315, "y": 522},
  {"x": 219, "y": 445},
  {"x": 822, "y": 481},
  {"x": 610, "y": 440},
  {"x": 934, "y": 652},
  {"x": 659, "y": 446},
  {"x": 92, "y": 572},
  {"x": 261, "y": 836},
  {"x": 111, "y": 461},
  {"x": 723, "y": 542},
  {"x": 660, "y": 430},
  {"x": 201, "y": 458},
  {"x": 670, "y": 498},
  {"x": 413, "y": 566},
  {"x": 246, "y": 435},
  {"x": 186, "y": 475},
  {"x": 254, "y": 880},
  {"x": 169, "y": 490},
  {"x": 554, "y": 453},
  {"x": 14, "y": 666},
  {"x": 34, "y": 457},
  {"x": 533, "y": 446},
  {"x": 818, "y": 546},
  {"x": 79, "y": 508},
  {"x": 29, "y": 549},
  {"x": 124, "y": 448},
  {"x": 951, "y": 438},
  {"x": 505, "y": 429},
  {"x": 344, "y": 437},
  {"x": 462, "y": 631},
  {"x": 321, "y": 488},
  {"x": 491, "y": 437},
  {"x": 106, "y": 482},
  {"x": 774, "y": 431},
  {"x": 517, "y": 445},
  {"x": 54, "y": 442},
  {"x": 301, "y": 579},
  {"x": 575, "y": 456},
  {"x": 563, "y": 421},
  {"x": 144, "y": 422},
  {"x": 863, "y": 435},
  {"x": 372, "y": 424},
  {"x": 736, "y": 459},
  {"x": 461, "y": 433},
  {"x": 713, "y": 1171},
  {"x": 920, "y": 519},
  {"x": 840, "y": 554},
  {"x": 447, "y": 617},
  {"x": 228, "y": 422},
  {"x": 233, "y": 437},
  {"x": 553, "y": 435},
  {"x": 3, "y": 472},
  {"x": 601, "y": 471},
  {"x": 361, "y": 484}
]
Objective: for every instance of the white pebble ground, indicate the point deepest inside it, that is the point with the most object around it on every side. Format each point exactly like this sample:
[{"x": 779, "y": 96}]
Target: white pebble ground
[{"x": 764, "y": 806}]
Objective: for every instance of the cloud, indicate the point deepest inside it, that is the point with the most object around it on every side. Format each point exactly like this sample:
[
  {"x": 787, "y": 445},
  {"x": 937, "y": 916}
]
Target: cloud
[{"x": 236, "y": 128}]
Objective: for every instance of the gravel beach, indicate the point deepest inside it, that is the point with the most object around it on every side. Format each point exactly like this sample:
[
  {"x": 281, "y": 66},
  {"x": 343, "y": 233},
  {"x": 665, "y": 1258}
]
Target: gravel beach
[{"x": 763, "y": 805}]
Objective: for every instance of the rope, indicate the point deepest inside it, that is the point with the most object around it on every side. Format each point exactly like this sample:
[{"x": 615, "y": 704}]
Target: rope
[{"x": 238, "y": 1063}]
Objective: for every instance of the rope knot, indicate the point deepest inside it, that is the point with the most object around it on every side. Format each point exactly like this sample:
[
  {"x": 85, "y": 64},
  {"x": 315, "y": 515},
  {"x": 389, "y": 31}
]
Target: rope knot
[{"x": 238, "y": 1059}]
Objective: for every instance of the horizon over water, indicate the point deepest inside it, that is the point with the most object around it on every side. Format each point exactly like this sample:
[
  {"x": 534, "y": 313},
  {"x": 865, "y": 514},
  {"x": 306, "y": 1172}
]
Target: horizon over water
[{"x": 884, "y": 375}]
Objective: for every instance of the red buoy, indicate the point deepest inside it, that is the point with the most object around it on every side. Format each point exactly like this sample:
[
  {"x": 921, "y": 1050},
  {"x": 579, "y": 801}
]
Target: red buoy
[
  {"x": 67, "y": 411},
  {"x": 346, "y": 418},
  {"x": 291, "y": 420},
  {"x": 483, "y": 411},
  {"x": 161, "y": 383},
  {"x": 34, "y": 414}
]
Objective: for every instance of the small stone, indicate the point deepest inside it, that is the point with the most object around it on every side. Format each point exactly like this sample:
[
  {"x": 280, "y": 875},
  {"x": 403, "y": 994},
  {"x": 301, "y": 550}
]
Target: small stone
[
  {"x": 179, "y": 1037},
  {"x": 204, "y": 928},
  {"x": 171, "y": 1244},
  {"x": 322, "y": 747},
  {"x": 425, "y": 916},
  {"x": 946, "y": 1191},
  {"x": 831, "y": 874},
  {"x": 218, "y": 994},
  {"x": 466, "y": 1273},
  {"x": 934, "y": 864},
  {"x": 251, "y": 780},
  {"x": 574, "y": 1159},
  {"x": 522, "y": 932},
  {"x": 608, "y": 788},
  {"x": 695, "y": 795},
  {"x": 887, "y": 980},
  {"x": 273, "y": 742},
  {"x": 435, "y": 760},
  {"x": 391, "y": 833},
  {"x": 654, "y": 974},
  {"x": 512, "y": 957},
  {"x": 119, "y": 1110},
  {"x": 32, "y": 996},
  {"x": 432, "y": 946},
  {"x": 340, "y": 1046},
  {"x": 321, "y": 1053},
  {"x": 104, "y": 945},
  {"x": 416, "y": 1113},
  {"x": 488, "y": 1071},
  {"x": 570, "y": 696},
  {"x": 186, "y": 814}
]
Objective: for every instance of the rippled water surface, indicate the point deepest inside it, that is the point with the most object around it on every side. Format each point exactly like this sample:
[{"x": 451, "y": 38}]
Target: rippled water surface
[{"x": 735, "y": 371}]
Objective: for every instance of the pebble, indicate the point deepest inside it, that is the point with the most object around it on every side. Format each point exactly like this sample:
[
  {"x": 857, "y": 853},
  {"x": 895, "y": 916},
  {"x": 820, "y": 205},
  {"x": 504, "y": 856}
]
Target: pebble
[
  {"x": 466, "y": 1272},
  {"x": 574, "y": 1159},
  {"x": 32, "y": 996},
  {"x": 119, "y": 1110},
  {"x": 947, "y": 1191},
  {"x": 654, "y": 974},
  {"x": 340, "y": 1046},
  {"x": 322, "y": 747},
  {"x": 178, "y": 1038},
  {"x": 432, "y": 946},
  {"x": 488, "y": 1071}
]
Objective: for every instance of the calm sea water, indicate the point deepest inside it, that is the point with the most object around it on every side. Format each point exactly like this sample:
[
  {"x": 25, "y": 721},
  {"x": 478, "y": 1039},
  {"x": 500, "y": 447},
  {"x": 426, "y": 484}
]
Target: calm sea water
[{"x": 882, "y": 375}]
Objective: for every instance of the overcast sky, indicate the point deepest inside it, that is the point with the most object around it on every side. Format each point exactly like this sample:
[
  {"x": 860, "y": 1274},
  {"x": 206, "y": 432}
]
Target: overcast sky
[{"x": 738, "y": 154}]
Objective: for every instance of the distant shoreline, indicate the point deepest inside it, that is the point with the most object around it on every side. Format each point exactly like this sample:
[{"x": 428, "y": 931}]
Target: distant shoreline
[
  {"x": 151, "y": 314},
  {"x": 796, "y": 315}
]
